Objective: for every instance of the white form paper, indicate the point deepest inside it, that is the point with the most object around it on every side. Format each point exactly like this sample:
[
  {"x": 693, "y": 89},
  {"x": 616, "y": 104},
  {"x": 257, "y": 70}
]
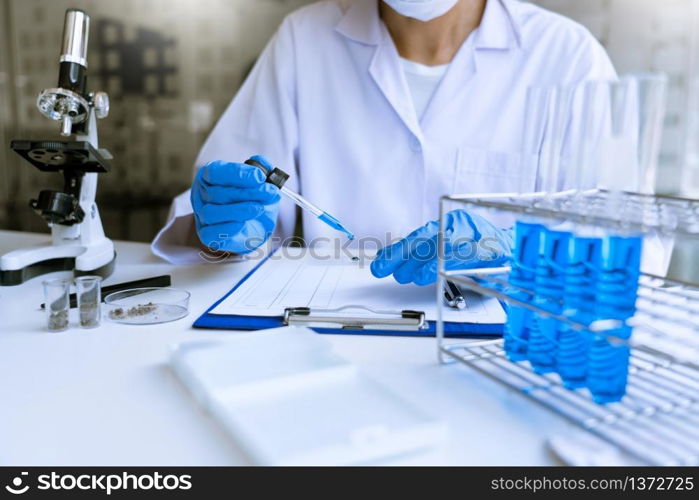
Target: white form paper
[{"x": 299, "y": 278}]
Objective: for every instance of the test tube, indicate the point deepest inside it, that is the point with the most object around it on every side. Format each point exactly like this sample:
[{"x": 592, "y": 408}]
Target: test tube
[
  {"x": 56, "y": 298},
  {"x": 624, "y": 120},
  {"x": 652, "y": 96},
  {"x": 527, "y": 230},
  {"x": 579, "y": 279},
  {"x": 554, "y": 239},
  {"x": 88, "y": 291}
]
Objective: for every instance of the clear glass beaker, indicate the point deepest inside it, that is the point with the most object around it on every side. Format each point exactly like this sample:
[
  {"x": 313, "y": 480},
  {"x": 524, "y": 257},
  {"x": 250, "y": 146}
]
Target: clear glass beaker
[
  {"x": 57, "y": 304},
  {"x": 89, "y": 295}
]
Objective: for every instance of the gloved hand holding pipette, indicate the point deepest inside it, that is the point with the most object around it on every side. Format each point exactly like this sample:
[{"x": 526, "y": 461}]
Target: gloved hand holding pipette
[
  {"x": 236, "y": 204},
  {"x": 235, "y": 210},
  {"x": 472, "y": 242}
]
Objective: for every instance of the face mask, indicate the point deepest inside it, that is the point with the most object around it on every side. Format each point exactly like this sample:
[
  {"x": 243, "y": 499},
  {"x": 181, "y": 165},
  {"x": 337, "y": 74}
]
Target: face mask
[{"x": 423, "y": 10}]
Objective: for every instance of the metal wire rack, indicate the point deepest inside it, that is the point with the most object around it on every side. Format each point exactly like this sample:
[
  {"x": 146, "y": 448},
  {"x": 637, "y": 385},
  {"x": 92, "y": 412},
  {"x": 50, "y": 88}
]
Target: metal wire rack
[{"x": 657, "y": 421}]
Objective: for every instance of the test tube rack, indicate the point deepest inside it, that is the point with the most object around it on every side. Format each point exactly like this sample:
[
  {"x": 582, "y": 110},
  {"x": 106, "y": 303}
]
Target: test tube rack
[{"x": 657, "y": 421}]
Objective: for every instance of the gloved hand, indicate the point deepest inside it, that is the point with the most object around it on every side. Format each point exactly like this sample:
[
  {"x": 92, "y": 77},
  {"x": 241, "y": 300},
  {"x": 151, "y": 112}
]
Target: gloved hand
[
  {"x": 235, "y": 210},
  {"x": 471, "y": 242}
]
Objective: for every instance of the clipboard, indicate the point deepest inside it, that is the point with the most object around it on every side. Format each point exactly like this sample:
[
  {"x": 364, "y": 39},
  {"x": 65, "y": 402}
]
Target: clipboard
[{"x": 343, "y": 320}]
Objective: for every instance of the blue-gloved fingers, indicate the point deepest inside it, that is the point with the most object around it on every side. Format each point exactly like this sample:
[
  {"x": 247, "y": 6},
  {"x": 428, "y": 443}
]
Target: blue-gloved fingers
[
  {"x": 465, "y": 252},
  {"x": 237, "y": 212},
  {"x": 255, "y": 232},
  {"x": 404, "y": 273},
  {"x": 219, "y": 173},
  {"x": 268, "y": 219},
  {"x": 472, "y": 242},
  {"x": 195, "y": 197},
  {"x": 421, "y": 252},
  {"x": 214, "y": 213},
  {"x": 390, "y": 258},
  {"x": 459, "y": 260},
  {"x": 234, "y": 209},
  {"x": 426, "y": 274},
  {"x": 218, "y": 237},
  {"x": 239, "y": 238},
  {"x": 222, "y": 195},
  {"x": 263, "y": 161}
]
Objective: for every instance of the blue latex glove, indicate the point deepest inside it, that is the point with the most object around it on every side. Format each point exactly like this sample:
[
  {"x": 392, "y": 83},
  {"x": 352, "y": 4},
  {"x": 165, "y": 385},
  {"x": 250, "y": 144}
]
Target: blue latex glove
[
  {"x": 472, "y": 242},
  {"x": 235, "y": 210}
]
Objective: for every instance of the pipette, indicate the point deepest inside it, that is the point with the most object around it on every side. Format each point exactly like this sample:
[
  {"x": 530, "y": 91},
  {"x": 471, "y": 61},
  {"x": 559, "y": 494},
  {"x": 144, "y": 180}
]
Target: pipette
[{"x": 278, "y": 178}]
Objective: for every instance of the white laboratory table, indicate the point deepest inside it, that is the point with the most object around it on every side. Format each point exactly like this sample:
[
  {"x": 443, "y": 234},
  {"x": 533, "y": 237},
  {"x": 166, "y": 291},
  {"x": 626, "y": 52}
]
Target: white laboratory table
[{"x": 107, "y": 397}]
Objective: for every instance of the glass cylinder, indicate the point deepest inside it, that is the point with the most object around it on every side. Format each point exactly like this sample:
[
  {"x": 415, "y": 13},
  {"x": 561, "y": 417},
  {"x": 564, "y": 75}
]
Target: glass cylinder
[
  {"x": 56, "y": 298},
  {"x": 622, "y": 131},
  {"x": 89, "y": 300}
]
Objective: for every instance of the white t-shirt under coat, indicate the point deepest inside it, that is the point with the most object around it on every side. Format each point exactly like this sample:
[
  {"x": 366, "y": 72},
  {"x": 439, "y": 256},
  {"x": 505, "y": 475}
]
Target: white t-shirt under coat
[{"x": 422, "y": 82}]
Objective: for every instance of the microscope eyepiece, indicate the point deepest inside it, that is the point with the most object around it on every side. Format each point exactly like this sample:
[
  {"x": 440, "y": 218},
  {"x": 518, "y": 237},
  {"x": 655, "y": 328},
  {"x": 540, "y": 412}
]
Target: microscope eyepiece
[
  {"x": 76, "y": 30},
  {"x": 70, "y": 102},
  {"x": 59, "y": 104}
]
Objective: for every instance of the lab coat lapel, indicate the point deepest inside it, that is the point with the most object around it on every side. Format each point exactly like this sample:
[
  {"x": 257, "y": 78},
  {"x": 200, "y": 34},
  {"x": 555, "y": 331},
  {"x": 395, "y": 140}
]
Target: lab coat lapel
[
  {"x": 387, "y": 72},
  {"x": 496, "y": 35},
  {"x": 460, "y": 71},
  {"x": 361, "y": 24}
]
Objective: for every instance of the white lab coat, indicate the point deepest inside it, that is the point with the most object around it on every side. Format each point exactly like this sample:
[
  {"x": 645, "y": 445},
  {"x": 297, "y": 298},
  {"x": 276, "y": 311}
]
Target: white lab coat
[{"x": 328, "y": 102}]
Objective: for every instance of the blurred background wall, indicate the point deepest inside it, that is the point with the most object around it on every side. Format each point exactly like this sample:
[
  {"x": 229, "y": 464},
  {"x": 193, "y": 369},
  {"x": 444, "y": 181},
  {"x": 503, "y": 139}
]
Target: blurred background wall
[
  {"x": 171, "y": 67},
  {"x": 653, "y": 36}
]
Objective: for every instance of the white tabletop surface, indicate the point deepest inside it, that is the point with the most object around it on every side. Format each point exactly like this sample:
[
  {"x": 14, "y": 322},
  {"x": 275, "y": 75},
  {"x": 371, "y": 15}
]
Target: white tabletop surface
[{"x": 107, "y": 397}]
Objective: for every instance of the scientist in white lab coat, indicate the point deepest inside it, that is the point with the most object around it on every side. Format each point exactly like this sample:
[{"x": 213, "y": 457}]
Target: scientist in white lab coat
[{"x": 377, "y": 108}]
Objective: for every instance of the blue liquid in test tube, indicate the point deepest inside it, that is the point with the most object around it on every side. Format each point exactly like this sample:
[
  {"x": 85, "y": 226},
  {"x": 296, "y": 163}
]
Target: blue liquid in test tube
[
  {"x": 578, "y": 304},
  {"x": 551, "y": 266},
  {"x": 524, "y": 258},
  {"x": 616, "y": 293}
]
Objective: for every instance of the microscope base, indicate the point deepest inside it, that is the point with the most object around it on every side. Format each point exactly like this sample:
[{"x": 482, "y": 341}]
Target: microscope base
[{"x": 11, "y": 275}]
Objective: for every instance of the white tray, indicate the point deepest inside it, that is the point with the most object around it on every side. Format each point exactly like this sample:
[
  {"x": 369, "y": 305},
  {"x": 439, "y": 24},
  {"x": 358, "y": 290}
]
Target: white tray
[{"x": 287, "y": 399}]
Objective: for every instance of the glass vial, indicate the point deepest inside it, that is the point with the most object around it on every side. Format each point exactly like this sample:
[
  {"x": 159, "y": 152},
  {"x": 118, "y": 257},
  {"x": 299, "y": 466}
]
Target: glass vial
[
  {"x": 89, "y": 300},
  {"x": 56, "y": 298}
]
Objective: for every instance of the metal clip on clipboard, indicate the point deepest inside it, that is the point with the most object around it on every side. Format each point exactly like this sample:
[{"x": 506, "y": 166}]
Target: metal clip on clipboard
[{"x": 380, "y": 320}]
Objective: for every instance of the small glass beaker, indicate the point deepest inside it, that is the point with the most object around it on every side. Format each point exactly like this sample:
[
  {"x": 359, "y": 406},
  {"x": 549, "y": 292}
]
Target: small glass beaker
[
  {"x": 88, "y": 290},
  {"x": 56, "y": 298}
]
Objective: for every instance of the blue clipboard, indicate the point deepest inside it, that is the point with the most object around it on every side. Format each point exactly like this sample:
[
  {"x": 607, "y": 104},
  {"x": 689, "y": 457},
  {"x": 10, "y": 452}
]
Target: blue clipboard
[{"x": 237, "y": 322}]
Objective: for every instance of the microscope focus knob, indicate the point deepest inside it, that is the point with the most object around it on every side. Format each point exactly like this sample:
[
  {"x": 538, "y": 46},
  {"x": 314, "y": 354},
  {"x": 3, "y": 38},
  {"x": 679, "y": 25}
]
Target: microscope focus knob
[{"x": 101, "y": 104}]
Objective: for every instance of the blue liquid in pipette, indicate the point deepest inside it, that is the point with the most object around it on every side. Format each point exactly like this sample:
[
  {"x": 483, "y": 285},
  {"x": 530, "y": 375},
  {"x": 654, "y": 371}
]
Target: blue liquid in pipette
[{"x": 335, "y": 224}]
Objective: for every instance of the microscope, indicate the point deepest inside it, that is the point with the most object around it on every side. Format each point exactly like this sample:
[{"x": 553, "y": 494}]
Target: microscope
[{"x": 77, "y": 242}]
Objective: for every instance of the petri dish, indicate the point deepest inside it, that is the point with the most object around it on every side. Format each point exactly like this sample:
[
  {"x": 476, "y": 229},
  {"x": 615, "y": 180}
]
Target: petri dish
[{"x": 146, "y": 306}]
